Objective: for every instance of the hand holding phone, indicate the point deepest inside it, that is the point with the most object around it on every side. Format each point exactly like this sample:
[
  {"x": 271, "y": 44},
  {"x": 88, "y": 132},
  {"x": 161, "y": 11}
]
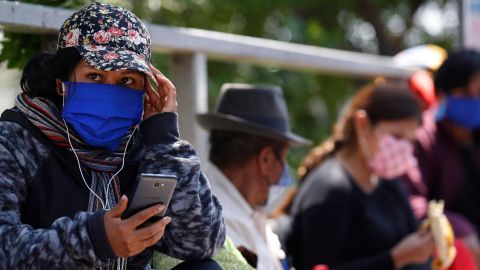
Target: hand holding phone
[
  {"x": 151, "y": 189},
  {"x": 125, "y": 236}
]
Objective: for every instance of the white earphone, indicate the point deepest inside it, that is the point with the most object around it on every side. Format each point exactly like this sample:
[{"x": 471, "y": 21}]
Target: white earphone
[{"x": 105, "y": 204}]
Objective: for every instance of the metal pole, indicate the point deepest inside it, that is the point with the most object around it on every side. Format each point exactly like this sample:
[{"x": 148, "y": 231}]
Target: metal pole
[
  {"x": 189, "y": 74},
  {"x": 460, "y": 42}
]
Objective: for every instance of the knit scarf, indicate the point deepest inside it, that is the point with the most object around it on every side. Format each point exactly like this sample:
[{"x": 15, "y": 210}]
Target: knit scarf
[{"x": 102, "y": 165}]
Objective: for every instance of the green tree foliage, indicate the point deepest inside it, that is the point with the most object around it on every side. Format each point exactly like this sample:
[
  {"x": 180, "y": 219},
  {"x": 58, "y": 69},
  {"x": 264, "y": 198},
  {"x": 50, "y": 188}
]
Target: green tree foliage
[
  {"x": 18, "y": 48},
  {"x": 375, "y": 26}
]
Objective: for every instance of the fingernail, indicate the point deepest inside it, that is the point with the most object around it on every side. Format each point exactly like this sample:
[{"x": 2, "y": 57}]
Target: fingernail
[
  {"x": 167, "y": 219},
  {"x": 160, "y": 208}
]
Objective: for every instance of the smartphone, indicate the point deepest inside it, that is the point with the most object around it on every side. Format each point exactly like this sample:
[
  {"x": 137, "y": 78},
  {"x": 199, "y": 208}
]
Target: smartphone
[{"x": 151, "y": 189}]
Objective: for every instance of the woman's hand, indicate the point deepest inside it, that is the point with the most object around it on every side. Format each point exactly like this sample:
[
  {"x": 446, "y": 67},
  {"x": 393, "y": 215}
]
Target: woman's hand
[
  {"x": 415, "y": 248},
  {"x": 164, "y": 99},
  {"x": 124, "y": 237}
]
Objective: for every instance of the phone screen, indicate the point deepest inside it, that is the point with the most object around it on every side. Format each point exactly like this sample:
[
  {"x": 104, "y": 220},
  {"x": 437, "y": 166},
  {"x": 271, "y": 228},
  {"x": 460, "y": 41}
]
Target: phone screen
[{"x": 151, "y": 189}]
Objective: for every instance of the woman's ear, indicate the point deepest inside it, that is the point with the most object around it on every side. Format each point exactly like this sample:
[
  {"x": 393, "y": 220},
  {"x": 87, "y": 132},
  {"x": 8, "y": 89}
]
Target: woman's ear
[
  {"x": 361, "y": 123},
  {"x": 363, "y": 130},
  {"x": 59, "y": 87}
]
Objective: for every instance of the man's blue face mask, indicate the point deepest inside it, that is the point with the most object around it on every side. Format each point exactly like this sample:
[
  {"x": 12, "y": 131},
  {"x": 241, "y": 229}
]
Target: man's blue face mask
[
  {"x": 464, "y": 111},
  {"x": 277, "y": 191},
  {"x": 286, "y": 178},
  {"x": 102, "y": 114}
]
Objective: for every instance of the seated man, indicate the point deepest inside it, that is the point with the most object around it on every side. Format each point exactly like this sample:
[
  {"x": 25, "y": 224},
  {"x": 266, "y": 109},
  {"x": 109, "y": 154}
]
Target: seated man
[{"x": 250, "y": 136}]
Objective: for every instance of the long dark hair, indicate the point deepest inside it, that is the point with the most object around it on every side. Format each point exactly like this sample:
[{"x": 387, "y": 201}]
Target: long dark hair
[
  {"x": 40, "y": 73},
  {"x": 381, "y": 103}
]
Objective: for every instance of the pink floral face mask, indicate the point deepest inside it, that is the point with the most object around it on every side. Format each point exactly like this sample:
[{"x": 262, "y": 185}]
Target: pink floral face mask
[{"x": 393, "y": 158}]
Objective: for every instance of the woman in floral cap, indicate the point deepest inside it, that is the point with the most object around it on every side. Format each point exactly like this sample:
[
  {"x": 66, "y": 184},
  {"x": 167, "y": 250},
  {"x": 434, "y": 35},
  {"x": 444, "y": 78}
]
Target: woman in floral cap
[{"x": 87, "y": 124}]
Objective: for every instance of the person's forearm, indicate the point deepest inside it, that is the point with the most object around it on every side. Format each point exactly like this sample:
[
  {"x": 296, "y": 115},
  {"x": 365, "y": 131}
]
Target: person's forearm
[
  {"x": 66, "y": 245},
  {"x": 197, "y": 229}
]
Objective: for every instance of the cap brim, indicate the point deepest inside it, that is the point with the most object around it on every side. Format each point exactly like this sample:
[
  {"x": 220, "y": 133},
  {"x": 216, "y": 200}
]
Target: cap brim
[
  {"x": 219, "y": 121},
  {"x": 112, "y": 58}
]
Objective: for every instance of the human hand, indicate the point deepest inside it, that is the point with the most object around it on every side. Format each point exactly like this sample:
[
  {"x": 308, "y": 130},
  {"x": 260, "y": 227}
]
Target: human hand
[
  {"x": 250, "y": 256},
  {"x": 164, "y": 99},
  {"x": 124, "y": 236},
  {"x": 415, "y": 248}
]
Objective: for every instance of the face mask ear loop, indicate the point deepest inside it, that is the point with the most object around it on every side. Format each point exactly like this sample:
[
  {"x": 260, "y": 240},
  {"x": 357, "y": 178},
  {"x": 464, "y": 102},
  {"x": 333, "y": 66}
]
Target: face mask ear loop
[
  {"x": 74, "y": 153},
  {"x": 144, "y": 103},
  {"x": 364, "y": 147},
  {"x": 63, "y": 96}
]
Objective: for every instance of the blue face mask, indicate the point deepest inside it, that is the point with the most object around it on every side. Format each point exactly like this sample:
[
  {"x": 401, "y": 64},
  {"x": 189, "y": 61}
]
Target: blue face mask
[
  {"x": 464, "y": 111},
  {"x": 277, "y": 191},
  {"x": 286, "y": 178},
  {"x": 102, "y": 114}
]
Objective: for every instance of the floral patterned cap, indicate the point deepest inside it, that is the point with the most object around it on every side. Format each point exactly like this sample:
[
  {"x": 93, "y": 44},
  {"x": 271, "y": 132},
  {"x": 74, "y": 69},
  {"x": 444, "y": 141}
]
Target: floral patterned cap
[{"x": 108, "y": 38}]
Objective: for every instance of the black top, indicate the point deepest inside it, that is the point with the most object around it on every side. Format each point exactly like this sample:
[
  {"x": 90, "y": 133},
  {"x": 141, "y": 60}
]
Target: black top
[
  {"x": 337, "y": 224},
  {"x": 468, "y": 198}
]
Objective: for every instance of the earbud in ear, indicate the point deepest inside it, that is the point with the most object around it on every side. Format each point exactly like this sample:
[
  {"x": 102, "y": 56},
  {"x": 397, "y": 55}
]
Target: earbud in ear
[{"x": 60, "y": 87}]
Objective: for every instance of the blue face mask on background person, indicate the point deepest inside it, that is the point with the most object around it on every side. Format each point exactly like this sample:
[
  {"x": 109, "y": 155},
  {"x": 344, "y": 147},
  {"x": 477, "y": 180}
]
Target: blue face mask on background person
[
  {"x": 276, "y": 192},
  {"x": 464, "y": 111},
  {"x": 102, "y": 114},
  {"x": 286, "y": 178}
]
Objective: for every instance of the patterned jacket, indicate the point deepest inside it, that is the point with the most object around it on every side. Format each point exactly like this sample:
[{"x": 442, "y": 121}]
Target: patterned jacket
[{"x": 43, "y": 200}]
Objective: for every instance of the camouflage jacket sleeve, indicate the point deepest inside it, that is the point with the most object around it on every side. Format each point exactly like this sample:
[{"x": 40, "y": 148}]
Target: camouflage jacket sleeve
[
  {"x": 66, "y": 244},
  {"x": 197, "y": 229}
]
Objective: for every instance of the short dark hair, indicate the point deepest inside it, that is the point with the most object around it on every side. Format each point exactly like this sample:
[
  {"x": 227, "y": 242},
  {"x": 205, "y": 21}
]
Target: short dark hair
[
  {"x": 41, "y": 71},
  {"x": 230, "y": 148},
  {"x": 457, "y": 70}
]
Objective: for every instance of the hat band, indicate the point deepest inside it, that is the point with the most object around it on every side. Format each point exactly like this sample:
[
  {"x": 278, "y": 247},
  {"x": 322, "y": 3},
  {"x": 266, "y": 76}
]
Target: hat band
[{"x": 278, "y": 124}]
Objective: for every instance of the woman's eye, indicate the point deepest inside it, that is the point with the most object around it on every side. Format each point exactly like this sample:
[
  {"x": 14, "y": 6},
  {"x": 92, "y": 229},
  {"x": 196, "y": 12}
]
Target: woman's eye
[
  {"x": 94, "y": 76},
  {"x": 127, "y": 81}
]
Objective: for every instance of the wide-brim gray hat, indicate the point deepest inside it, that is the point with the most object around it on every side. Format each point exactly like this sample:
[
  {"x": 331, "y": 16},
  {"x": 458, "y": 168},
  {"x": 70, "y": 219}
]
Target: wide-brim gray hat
[{"x": 252, "y": 109}]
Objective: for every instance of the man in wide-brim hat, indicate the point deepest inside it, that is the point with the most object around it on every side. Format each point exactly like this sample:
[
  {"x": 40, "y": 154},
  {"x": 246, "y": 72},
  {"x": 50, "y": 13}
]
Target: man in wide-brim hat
[{"x": 249, "y": 136}]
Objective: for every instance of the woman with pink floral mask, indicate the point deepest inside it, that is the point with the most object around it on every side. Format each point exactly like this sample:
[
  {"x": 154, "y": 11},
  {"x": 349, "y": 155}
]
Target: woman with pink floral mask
[{"x": 351, "y": 212}]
